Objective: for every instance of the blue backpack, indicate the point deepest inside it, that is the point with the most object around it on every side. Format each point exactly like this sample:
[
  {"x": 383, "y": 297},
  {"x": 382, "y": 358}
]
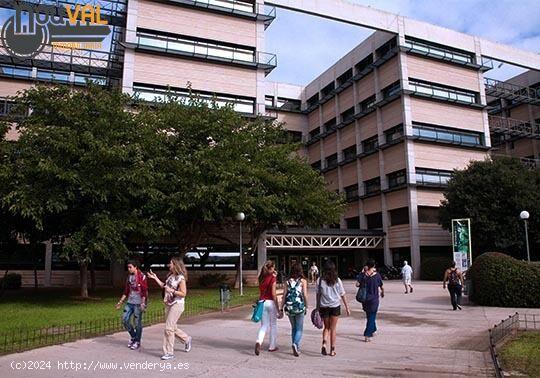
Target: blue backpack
[{"x": 294, "y": 301}]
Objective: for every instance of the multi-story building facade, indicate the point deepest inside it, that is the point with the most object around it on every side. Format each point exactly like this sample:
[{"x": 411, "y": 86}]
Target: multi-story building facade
[{"x": 385, "y": 125}]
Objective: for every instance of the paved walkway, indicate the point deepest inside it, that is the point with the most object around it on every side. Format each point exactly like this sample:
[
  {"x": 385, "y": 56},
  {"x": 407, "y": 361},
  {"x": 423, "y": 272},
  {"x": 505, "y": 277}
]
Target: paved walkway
[{"x": 419, "y": 336}]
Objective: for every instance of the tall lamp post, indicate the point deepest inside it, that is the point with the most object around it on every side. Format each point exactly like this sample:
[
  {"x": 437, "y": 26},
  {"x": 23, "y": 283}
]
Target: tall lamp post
[
  {"x": 240, "y": 218},
  {"x": 524, "y": 215}
]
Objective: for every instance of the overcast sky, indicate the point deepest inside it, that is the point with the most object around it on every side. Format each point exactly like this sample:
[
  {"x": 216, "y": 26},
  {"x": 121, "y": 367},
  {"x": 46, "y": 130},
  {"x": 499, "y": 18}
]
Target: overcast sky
[{"x": 308, "y": 45}]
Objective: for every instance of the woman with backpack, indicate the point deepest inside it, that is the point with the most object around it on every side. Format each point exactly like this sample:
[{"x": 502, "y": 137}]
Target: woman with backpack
[
  {"x": 294, "y": 302},
  {"x": 175, "y": 291},
  {"x": 455, "y": 283},
  {"x": 267, "y": 290},
  {"x": 373, "y": 284},
  {"x": 330, "y": 293}
]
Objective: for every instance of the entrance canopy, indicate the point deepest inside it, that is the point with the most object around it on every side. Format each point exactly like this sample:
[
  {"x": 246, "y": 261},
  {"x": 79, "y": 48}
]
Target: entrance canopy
[{"x": 324, "y": 239}]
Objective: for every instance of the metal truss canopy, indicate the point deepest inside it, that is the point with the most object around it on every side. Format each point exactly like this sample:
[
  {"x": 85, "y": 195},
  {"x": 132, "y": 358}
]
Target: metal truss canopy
[{"x": 323, "y": 241}]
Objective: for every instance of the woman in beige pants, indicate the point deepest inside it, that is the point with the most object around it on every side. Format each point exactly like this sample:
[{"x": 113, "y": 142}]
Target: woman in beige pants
[{"x": 175, "y": 293}]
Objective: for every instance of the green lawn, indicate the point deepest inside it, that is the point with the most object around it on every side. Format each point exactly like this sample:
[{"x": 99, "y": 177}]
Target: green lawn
[
  {"x": 522, "y": 354},
  {"x": 48, "y": 316}
]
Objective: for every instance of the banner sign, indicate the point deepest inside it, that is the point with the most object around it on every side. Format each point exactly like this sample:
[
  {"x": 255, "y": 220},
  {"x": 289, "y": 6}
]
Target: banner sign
[{"x": 461, "y": 243}]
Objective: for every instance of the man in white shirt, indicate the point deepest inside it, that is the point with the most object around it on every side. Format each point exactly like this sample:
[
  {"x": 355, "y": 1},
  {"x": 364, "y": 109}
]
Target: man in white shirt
[{"x": 406, "y": 273}]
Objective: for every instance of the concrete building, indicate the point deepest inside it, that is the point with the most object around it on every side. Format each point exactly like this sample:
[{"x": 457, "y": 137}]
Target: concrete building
[{"x": 386, "y": 124}]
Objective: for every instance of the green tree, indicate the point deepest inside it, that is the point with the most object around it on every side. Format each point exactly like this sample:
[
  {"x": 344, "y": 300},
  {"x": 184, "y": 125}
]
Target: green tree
[
  {"x": 80, "y": 171},
  {"x": 217, "y": 163},
  {"x": 493, "y": 193}
]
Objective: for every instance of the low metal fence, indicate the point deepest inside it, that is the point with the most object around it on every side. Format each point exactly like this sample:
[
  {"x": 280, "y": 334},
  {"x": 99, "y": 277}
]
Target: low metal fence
[
  {"x": 509, "y": 327},
  {"x": 18, "y": 340}
]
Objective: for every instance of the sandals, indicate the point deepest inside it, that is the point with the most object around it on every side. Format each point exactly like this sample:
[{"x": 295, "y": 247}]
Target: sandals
[
  {"x": 323, "y": 350},
  {"x": 332, "y": 351}
]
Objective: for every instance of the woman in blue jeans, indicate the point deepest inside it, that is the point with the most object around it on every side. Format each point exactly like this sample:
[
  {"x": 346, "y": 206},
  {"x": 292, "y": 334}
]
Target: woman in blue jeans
[
  {"x": 294, "y": 301},
  {"x": 373, "y": 283}
]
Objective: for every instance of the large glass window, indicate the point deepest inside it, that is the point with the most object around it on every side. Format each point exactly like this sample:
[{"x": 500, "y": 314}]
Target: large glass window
[
  {"x": 316, "y": 165},
  {"x": 330, "y": 125},
  {"x": 396, "y": 179},
  {"x": 399, "y": 216},
  {"x": 446, "y": 135},
  {"x": 328, "y": 89},
  {"x": 364, "y": 64},
  {"x": 372, "y": 186},
  {"x": 387, "y": 47},
  {"x": 370, "y": 145},
  {"x": 374, "y": 221},
  {"x": 367, "y": 105},
  {"x": 351, "y": 193},
  {"x": 332, "y": 161},
  {"x": 314, "y": 133},
  {"x": 391, "y": 90},
  {"x": 313, "y": 100},
  {"x": 438, "y": 51},
  {"x": 347, "y": 115},
  {"x": 432, "y": 177},
  {"x": 443, "y": 92},
  {"x": 349, "y": 153},
  {"x": 194, "y": 47},
  {"x": 342, "y": 79},
  {"x": 394, "y": 134},
  {"x": 155, "y": 94},
  {"x": 353, "y": 223}
]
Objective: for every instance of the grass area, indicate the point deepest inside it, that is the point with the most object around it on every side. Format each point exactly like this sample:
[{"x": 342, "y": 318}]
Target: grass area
[
  {"x": 49, "y": 316},
  {"x": 522, "y": 354}
]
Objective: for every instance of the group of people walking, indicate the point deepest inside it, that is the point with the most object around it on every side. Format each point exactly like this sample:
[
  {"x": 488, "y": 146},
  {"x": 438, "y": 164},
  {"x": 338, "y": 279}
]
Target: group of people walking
[
  {"x": 174, "y": 294},
  {"x": 330, "y": 295}
]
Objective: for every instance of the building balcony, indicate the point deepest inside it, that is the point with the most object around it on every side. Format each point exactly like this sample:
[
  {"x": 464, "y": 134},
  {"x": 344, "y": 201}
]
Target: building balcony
[{"x": 513, "y": 127}]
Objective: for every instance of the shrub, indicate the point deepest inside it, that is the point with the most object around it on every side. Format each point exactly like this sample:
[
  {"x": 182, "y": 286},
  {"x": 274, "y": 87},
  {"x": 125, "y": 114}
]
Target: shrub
[
  {"x": 432, "y": 268},
  {"x": 501, "y": 280},
  {"x": 213, "y": 279},
  {"x": 12, "y": 281}
]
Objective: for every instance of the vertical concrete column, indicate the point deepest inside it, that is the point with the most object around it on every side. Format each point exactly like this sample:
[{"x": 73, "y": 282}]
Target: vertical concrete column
[
  {"x": 359, "y": 181},
  {"x": 382, "y": 176},
  {"x": 129, "y": 54},
  {"x": 261, "y": 76},
  {"x": 48, "y": 263},
  {"x": 261, "y": 251},
  {"x": 414, "y": 231},
  {"x": 482, "y": 91}
]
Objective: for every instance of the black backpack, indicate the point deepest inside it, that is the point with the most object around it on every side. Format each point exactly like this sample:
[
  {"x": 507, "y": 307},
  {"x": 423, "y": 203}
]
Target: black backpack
[{"x": 453, "y": 278}]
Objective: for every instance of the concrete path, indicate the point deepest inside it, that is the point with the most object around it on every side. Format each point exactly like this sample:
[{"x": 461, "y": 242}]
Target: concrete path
[{"x": 419, "y": 336}]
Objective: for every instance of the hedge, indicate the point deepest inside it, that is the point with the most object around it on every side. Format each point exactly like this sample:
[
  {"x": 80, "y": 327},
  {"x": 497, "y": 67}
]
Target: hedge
[{"x": 500, "y": 280}]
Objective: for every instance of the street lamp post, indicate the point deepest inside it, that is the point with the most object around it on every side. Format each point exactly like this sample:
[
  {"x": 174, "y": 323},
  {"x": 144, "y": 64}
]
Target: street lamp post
[
  {"x": 240, "y": 218},
  {"x": 524, "y": 215}
]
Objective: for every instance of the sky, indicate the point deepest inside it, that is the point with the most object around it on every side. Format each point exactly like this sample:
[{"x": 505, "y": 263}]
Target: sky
[{"x": 307, "y": 45}]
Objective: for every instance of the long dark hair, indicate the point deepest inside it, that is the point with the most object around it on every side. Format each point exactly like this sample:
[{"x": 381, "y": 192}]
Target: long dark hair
[
  {"x": 329, "y": 273},
  {"x": 296, "y": 271},
  {"x": 265, "y": 270}
]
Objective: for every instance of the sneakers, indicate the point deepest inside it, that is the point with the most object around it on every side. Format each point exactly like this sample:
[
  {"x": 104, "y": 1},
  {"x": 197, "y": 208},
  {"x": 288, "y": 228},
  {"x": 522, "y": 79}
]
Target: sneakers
[
  {"x": 295, "y": 350},
  {"x": 167, "y": 356},
  {"x": 130, "y": 344},
  {"x": 257, "y": 349},
  {"x": 187, "y": 346},
  {"x": 411, "y": 289},
  {"x": 136, "y": 345}
]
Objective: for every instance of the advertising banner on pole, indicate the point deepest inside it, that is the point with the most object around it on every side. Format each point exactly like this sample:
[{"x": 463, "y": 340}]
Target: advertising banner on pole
[{"x": 461, "y": 243}]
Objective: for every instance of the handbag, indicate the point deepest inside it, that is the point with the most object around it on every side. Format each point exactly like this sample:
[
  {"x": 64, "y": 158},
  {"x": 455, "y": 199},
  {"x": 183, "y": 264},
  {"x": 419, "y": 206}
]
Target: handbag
[
  {"x": 258, "y": 309},
  {"x": 361, "y": 294},
  {"x": 315, "y": 314}
]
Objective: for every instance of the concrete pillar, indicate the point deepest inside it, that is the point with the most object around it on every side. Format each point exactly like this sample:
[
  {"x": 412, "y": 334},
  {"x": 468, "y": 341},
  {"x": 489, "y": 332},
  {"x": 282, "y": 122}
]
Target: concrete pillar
[
  {"x": 48, "y": 263},
  {"x": 261, "y": 251}
]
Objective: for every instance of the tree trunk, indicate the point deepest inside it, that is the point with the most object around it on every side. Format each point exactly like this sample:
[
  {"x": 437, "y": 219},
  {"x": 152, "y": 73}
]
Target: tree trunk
[
  {"x": 92, "y": 277},
  {"x": 35, "y": 265},
  {"x": 84, "y": 280}
]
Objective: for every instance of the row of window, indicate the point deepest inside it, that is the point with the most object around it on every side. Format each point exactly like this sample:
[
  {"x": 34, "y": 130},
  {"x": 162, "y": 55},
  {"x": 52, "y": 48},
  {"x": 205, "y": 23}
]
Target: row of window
[
  {"x": 361, "y": 68},
  {"x": 443, "y": 92},
  {"x": 158, "y": 94},
  {"x": 50, "y": 75},
  {"x": 438, "y": 51},
  {"x": 426, "y": 214}
]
